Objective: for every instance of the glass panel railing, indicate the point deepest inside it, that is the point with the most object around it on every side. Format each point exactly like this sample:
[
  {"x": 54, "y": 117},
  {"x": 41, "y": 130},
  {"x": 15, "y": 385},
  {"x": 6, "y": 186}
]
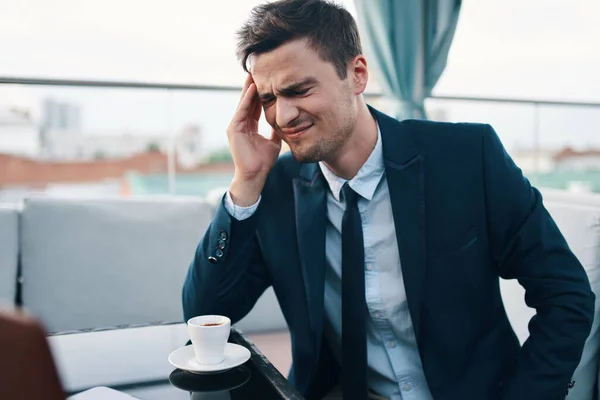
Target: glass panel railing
[
  {"x": 79, "y": 138},
  {"x": 109, "y": 140},
  {"x": 80, "y": 141}
]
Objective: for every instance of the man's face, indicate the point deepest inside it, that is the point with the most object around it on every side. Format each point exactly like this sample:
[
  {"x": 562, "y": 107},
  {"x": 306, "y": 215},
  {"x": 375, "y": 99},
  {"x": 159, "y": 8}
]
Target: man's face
[{"x": 305, "y": 101}]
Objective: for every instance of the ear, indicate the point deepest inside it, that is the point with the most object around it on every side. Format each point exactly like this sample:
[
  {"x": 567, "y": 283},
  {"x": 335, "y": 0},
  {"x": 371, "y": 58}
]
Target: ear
[{"x": 358, "y": 75}]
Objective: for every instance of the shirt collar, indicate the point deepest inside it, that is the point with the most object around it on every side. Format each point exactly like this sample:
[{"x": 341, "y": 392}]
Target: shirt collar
[{"x": 366, "y": 180}]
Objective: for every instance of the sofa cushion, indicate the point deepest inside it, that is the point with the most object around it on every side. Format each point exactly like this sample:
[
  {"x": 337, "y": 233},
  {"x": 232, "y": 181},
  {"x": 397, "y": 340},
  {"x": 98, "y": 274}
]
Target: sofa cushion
[
  {"x": 102, "y": 263},
  {"x": 9, "y": 253}
]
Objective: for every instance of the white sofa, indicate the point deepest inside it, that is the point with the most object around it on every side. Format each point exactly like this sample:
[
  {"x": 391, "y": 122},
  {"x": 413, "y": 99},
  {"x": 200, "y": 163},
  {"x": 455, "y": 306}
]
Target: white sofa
[{"x": 91, "y": 264}]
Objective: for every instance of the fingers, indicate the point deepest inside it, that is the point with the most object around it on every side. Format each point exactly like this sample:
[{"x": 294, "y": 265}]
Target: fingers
[
  {"x": 256, "y": 106},
  {"x": 254, "y": 109},
  {"x": 247, "y": 83},
  {"x": 247, "y": 104}
]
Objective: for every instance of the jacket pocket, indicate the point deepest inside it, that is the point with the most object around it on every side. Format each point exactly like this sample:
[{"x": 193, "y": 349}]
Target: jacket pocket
[{"x": 468, "y": 239}]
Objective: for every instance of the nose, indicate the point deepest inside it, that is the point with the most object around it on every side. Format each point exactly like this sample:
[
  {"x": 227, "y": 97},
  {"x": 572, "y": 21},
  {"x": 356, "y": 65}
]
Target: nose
[{"x": 286, "y": 112}]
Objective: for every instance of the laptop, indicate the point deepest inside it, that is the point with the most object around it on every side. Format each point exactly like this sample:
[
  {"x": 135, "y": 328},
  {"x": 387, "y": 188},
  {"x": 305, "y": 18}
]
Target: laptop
[{"x": 27, "y": 369}]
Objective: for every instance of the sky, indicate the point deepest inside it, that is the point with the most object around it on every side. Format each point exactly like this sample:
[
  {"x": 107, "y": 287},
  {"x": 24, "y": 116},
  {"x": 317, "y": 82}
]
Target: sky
[{"x": 543, "y": 49}]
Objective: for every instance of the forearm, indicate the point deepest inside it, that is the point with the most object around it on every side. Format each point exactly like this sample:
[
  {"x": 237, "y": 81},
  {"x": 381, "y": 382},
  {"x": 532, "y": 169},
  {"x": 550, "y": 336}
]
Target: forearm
[
  {"x": 558, "y": 332},
  {"x": 557, "y": 287},
  {"x": 230, "y": 281}
]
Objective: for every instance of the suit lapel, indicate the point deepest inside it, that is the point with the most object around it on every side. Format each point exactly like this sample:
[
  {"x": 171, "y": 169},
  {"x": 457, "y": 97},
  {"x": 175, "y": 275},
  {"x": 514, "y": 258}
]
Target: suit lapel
[
  {"x": 310, "y": 202},
  {"x": 404, "y": 169}
]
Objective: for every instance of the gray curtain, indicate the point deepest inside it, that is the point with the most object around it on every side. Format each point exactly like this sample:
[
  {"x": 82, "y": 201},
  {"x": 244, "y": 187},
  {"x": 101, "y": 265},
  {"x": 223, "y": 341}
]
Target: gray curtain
[{"x": 407, "y": 43}]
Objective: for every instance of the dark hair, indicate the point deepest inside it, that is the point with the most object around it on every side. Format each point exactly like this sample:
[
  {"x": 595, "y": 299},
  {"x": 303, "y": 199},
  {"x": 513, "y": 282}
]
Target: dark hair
[{"x": 329, "y": 28}]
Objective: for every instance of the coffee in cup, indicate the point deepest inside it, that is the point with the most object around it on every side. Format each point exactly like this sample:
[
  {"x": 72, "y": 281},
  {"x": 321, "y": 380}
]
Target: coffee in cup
[{"x": 209, "y": 334}]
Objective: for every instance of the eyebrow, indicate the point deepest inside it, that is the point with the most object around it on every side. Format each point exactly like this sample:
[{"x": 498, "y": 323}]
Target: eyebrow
[{"x": 290, "y": 89}]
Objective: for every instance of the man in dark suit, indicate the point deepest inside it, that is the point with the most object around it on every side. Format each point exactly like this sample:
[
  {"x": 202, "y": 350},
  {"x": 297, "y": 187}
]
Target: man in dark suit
[{"x": 396, "y": 231}]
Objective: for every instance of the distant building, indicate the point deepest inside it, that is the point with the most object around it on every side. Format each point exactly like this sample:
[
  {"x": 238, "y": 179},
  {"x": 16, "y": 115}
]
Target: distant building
[
  {"x": 534, "y": 161},
  {"x": 75, "y": 146},
  {"x": 189, "y": 148},
  {"x": 19, "y": 134},
  {"x": 61, "y": 116},
  {"x": 58, "y": 117},
  {"x": 572, "y": 160},
  {"x": 141, "y": 174}
]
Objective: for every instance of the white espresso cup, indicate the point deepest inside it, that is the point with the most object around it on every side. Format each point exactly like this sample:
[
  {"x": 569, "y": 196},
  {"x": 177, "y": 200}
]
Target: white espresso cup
[{"x": 209, "y": 334}]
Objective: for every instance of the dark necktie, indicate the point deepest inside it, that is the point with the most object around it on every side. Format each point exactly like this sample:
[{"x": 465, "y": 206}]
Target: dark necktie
[{"x": 354, "y": 307}]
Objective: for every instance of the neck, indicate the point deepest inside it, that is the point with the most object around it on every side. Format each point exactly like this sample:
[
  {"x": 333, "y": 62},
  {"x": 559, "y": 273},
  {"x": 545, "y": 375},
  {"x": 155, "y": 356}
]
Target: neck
[{"x": 349, "y": 159}]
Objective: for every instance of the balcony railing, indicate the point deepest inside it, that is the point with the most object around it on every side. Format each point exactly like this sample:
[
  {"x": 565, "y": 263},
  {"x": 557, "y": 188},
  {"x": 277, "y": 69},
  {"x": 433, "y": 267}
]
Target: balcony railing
[{"x": 555, "y": 142}]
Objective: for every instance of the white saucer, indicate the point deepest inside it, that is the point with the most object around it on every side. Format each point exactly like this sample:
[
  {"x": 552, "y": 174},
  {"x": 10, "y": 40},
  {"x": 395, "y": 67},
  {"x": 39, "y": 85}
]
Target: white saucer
[{"x": 185, "y": 359}]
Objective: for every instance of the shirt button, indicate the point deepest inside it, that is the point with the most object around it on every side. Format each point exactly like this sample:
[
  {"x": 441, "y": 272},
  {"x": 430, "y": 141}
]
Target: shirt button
[
  {"x": 369, "y": 267},
  {"x": 392, "y": 343},
  {"x": 377, "y": 315},
  {"x": 406, "y": 387}
]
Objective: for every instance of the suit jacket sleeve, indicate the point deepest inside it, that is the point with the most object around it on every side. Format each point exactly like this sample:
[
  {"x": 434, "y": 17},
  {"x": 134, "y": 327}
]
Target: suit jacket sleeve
[
  {"x": 231, "y": 284},
  {"x": 528, "y": 246}
]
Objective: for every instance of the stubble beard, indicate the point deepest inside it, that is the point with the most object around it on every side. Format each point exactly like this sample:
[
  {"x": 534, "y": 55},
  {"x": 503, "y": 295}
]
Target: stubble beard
[{"x": 327, "y": 147}]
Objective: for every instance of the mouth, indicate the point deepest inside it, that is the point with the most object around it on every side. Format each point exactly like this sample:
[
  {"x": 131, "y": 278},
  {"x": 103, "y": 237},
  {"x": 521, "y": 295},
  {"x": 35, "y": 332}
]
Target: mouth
[{"x": 296, "y": 133}]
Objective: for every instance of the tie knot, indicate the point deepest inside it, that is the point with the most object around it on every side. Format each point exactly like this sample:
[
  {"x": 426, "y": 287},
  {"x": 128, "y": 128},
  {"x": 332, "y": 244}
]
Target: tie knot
[{"x": 350, "y": 196}]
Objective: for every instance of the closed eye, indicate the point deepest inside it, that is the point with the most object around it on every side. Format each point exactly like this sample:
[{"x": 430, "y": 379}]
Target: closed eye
[
  {"x": 295, "y": 91},
  {"x": 267, "y": 100},
  {"x": 301, "y": 92}
]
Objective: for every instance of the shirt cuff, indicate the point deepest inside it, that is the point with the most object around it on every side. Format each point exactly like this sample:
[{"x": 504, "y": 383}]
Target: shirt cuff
[{"x": 237, "y": 212}]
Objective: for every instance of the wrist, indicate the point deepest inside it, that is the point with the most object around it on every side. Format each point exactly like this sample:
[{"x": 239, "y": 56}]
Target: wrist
[{"x": 246, "y": 192}]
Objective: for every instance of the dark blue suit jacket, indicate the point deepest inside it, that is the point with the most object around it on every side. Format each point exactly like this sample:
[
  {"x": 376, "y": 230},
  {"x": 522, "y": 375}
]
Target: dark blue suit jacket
[{"x": 464, "y": 216}]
